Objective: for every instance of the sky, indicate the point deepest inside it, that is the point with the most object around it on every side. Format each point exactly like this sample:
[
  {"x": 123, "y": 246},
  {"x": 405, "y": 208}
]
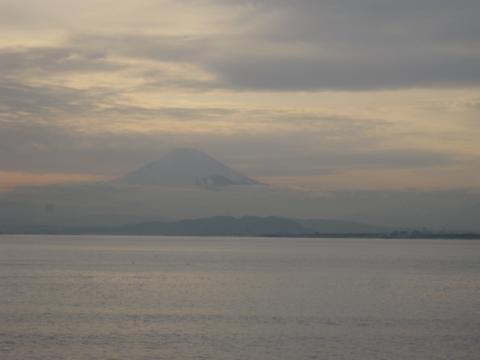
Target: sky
[{"x": 329, "y": 95}]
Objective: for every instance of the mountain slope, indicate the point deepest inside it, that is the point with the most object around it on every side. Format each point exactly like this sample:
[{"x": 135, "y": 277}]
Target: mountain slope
[{"x": 186, "y": 167}]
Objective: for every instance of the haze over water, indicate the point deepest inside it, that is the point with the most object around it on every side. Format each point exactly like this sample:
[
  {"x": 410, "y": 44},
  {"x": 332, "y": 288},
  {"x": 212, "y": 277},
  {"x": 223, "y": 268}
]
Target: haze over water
[{"x": 97, "y": 297}]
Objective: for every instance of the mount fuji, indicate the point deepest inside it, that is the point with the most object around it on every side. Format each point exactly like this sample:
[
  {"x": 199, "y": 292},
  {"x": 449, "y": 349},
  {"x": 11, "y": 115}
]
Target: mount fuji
[{"x": 186, "y": 167}]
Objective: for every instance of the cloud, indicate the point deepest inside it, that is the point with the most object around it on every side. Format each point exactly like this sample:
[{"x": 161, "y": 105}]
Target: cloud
[
  {"x": 23, "y": 102},
  {"x": 54, "y": 59},
  {"x": 350, "y": 73},
  {"x": 105, "y": 109},
  {"x": 277, "y": 88},
  {"x": 334, "y": 161},
  {"x": 357, "y": 45},
  {"x": 281, "y": 46},
  {"x": 10, "y": 179},
  {"x": 266, "y": 65}
]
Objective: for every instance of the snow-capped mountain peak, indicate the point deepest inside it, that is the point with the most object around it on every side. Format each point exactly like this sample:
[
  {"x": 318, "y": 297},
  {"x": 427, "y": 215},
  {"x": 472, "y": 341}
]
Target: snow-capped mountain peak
[{"x": 186, "y": 167}]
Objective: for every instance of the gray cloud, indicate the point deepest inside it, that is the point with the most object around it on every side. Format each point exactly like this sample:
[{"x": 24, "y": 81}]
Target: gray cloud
[
  {"x": 351, "y": 74},
  {"x": 52, "y": 148},
  {"x": 361, "y": 44},
  {"x": 299, "y": 45},
  {"x": 23, "y": 102},
  {"x": 351, "y": 21},
  {"x": 325, "y": 46},
  {"x": 47, "y": 60},
  {"x": 328, "y": 161},
  {"x": 47, "y": 104}
]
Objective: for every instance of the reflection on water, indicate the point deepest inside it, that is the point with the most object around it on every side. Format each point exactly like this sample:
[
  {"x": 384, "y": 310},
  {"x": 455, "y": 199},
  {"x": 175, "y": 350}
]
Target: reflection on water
[{"x": 88, "y": 297}]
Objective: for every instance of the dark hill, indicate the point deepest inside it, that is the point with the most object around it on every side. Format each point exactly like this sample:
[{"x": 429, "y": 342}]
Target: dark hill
[{"x": 218, "y": 225}]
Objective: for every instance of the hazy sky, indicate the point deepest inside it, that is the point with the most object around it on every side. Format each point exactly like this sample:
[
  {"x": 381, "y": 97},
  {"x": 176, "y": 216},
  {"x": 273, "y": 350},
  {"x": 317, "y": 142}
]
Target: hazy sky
[{"x": 318, "y": 94}]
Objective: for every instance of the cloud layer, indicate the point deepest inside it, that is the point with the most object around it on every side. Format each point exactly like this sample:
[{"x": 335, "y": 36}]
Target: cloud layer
[{"x": 281, "y": 89}]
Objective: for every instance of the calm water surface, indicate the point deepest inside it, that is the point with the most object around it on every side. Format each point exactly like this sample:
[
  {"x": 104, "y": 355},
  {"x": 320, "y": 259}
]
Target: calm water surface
[{"x": 98, "y": 297}]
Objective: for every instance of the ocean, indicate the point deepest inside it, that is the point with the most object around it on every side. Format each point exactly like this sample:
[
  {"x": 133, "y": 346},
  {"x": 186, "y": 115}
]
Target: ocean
[{"x": 126, "y": 297}]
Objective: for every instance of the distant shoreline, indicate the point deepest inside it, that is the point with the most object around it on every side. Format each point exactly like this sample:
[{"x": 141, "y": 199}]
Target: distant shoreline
[
  {"x": 432, "y": 236},
  {"x": 246, "y": 226}
]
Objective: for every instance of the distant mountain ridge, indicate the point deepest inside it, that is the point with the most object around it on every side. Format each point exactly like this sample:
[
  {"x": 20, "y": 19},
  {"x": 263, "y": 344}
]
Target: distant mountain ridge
[
  {"x": 216, "y": 226},
  {"x": 186, "y": 167},
  {"x": 248, "y": 226}
]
